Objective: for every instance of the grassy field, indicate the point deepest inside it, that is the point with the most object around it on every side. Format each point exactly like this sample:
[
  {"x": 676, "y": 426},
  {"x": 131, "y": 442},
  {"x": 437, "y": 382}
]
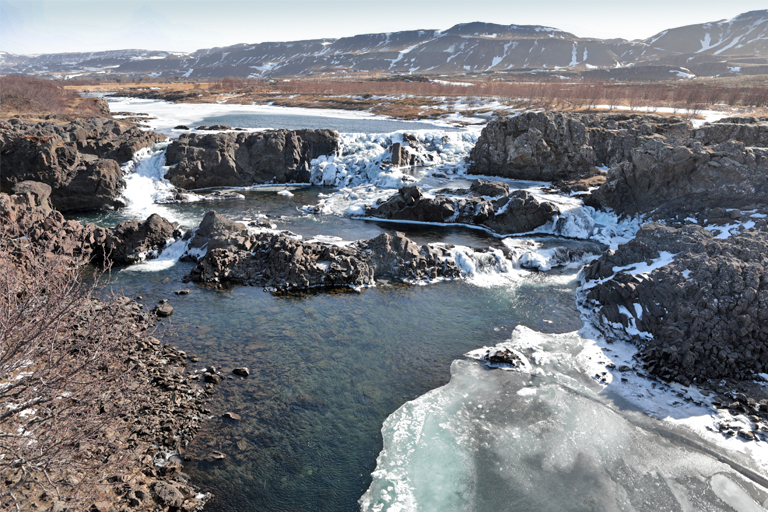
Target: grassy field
[{"x": 422, "y": 98}]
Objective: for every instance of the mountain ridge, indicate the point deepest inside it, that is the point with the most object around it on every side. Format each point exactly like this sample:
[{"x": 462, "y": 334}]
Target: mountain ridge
[{"x": 735, "y": 46}]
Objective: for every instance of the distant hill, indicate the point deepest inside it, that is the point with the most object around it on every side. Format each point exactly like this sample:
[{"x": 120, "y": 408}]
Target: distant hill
[{"x": 726, "y": 47}]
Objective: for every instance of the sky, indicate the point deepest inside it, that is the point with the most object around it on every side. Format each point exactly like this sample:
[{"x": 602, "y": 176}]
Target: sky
[{"x": 55, "y": 26}]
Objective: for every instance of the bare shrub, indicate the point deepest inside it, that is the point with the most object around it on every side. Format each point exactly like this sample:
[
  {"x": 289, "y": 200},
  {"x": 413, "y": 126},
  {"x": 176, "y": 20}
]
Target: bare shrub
[
  {"x": 65, "y": 388},
  {"x": 25, "y": 93}
]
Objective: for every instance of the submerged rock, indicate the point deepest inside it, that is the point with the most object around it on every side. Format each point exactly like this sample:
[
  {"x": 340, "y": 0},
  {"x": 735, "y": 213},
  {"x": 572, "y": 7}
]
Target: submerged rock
[{"x": 243, "y": 159}]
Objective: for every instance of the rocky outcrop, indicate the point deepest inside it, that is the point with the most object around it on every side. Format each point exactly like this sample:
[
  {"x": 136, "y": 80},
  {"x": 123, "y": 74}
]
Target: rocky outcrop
[
  {"x": 133, "y": 241},
  {"x": 487, "y": 203},
  {"x": 751, "y": 131},
  {"x": 555, "y": 146},
  {"x": 703, "y": 316},
  {"x": 78, "y": 160},
  {"x": 25, "y": 215},
  {"x": 656, "y": 164},
  {"x": 674, "y": 177},
  {"x": 243, "y": 159},
  {"x": 280, "y": 261}
]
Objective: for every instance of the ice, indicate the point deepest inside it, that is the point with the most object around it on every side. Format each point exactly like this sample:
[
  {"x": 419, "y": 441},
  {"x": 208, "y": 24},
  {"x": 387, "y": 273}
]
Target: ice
[
  {"x": 664, "y": 259},
  {"x": 166, "y": 259},
  {"x": 145, "y": 184},
  {"x": 732, "y": 493},
  {"x": 364, "y": 158},
  {"x": 550, "y": 438}
]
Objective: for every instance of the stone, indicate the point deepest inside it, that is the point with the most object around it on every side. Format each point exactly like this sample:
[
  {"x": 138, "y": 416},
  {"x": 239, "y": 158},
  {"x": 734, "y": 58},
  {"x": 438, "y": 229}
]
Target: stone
[
  {"x": 243, "y": 372},
  {"x": 507, "y": 213},
  {"x": 554, "y": 146},
  {"x": 163, "y": 310},
  {"x": 79, "y": 160},
  {"x": 167, "y": 494},
  {"x": 182, "y": 292},
  {"x": 243, "y": 159},
  {"x": 231, "y": 416}
]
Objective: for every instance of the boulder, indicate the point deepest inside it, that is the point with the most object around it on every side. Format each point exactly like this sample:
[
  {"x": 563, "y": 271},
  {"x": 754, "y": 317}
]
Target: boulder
[
  {"x": 39, "y": 191},
  {"x": 280, "y": 261},
  {"x": 507, "y": 213},
  {"x": 243, "y": 159},
  {"x": 675, "y": 177},
  {"x": 133, "y": 241}
]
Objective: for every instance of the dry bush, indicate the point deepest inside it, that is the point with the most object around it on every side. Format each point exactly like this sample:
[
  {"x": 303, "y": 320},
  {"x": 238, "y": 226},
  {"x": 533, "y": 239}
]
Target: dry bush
[
  {"x": 24, "y": 93},
  {"x": 66, "y": 396}
]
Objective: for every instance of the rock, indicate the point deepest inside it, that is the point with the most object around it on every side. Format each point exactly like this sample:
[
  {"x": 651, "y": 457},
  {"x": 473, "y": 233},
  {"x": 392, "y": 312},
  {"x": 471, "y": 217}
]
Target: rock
[
  {"x": 243, "y": 372},
  {"x": 504, "y": 356},
  {"x": 489, "y": 188},
  {"x": 163, "y": 310},
  {"x": 231, "y": 416},
  {"x": 167, "y": 494},
  {"x": 554, "y": 146},
  {"x": 674, "y": 177},
  {"x": 282, "y": 262},
  {"x": 133, "y": 241},
  {"x": 78, "y": 160},
  {"x": 217, "y": 455},
  {"x": 706, "y": 311},
  {"x": 181, "y": 127},
  {"x": 212, "y": 378},
  {"x": 243, "y": 159},
  {"x": 40, "y": 191},
  {"x": 181, "y": 292},
  {"x": 508, "y": 213}
]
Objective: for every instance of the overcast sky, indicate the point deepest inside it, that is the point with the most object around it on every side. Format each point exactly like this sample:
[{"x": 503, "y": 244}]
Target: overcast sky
[{"x": 53, "y": 26}]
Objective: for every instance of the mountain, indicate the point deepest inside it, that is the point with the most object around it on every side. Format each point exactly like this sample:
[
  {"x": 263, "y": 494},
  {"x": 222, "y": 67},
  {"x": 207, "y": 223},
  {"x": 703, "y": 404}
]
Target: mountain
[{"x": 725, "y": 47}]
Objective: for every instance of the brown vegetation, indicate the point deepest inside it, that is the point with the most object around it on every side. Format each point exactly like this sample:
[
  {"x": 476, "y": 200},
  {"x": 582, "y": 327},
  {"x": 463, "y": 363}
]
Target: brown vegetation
[
  {"x": 65, "y": 389},
  {"x": 404, "y": 97},
  {"x": 32, "y": 98}
]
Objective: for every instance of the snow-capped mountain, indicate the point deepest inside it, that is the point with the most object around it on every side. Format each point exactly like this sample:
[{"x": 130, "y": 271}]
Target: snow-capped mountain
[{"x": 739, "y": 45}]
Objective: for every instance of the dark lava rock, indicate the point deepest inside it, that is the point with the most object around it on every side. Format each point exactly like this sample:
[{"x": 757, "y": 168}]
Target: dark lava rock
[
  {"x": 281, "y": 262},
  {"x": 243, "y": 372},
  {"x": 79, "y": 160},
  {"x": 516, "y": 212},
  {"x": 167, "y": 494},
  {"x": 707, "y": 311},
  {"x": 504, "y": 356},
  {"x": 181, "y": 127},
  {"x": 23, "y": 215},
  {"x": 671, "y": 177},
  {"x": 243, "y": 159},
  {"x": 133, "y": 241},
  {"x": 554, "y": 146}
]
